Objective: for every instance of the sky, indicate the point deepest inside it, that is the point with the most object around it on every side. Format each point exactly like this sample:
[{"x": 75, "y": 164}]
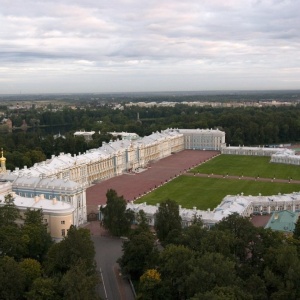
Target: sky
[{"x": 99, "y": 46}]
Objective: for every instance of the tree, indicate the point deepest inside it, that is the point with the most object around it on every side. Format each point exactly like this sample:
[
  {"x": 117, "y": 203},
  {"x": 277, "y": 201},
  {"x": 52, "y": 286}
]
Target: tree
[
  {"x": 193, "y": 235},
  {"x": 11, "y": 279},
  {"x": 31, "y": 270},
  {"x": 9, "y": 199},
  {"x": 175, "y": 264},
  {"x": 116, "y": 218},
  {"x": 43, "y": 289},
  {"x": 256, "y": 287},
  {"x": 150, "y": 286},
  {"x": 79, "y": 283},
  {"x": 9, "y": 213},
  {"x": 167, "y": 221},
  {"x": 243, "y": 232},
  {"x": 139, "y": 254},
  {"x": 35, "y": 156},
  {"x": 35, "y": 233},
  {"x": 282, "y": 272},
  {"x": 12, "y": 242},
  {"x": 223, "y": 293},
  {"x": 34, "y": 217},
  {"x": 210, "y": 270},
  {"x": 76, "y": 245},
  {"x": 297, "y": 229},
  {"x": 218, "y": 241},
  {"x": 142, "y": 222}
]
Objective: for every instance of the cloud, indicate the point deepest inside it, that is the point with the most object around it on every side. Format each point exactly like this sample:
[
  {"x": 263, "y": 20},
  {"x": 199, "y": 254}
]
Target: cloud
[{"x": 150, "y": 41}]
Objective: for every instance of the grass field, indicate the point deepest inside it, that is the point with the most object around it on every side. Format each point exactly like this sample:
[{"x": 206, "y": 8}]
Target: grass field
[
  {"x": 204, "y": 193},
  {"x": 248, "y": 166}
]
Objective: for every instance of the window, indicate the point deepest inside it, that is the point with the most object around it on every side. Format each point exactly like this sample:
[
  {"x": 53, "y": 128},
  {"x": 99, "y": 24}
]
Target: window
[
  {"x": 45, "y": 221},
  {"x": 63, "y": 232},
  {"x": 62, "y": 222}
]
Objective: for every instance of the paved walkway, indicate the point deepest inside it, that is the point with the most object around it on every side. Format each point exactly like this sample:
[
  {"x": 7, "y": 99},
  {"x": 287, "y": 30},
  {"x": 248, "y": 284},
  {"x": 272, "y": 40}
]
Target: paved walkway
[{"x": 96, "y": 229}]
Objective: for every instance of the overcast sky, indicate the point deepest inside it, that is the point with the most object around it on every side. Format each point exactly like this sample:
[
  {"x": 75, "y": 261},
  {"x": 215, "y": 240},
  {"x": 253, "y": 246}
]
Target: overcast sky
[{"x": 156, "y": 45}]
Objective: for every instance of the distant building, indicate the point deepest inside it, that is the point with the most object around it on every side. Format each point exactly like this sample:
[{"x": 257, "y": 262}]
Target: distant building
[
  {"x": 6, "y": 125},
  {"x": 24, "y": 125},
  {"x": 255, "y": 151},
  {"x": 88, "y": 135},
  {"x": 278, "y": 155},
  {"x": 57, "y": 136},
  {"x": 124, "y": 135},
  {"x": 286, "y": 157}
]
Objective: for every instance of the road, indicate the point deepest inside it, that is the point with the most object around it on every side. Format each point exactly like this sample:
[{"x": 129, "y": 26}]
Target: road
[{"x": 108, "y": 250}]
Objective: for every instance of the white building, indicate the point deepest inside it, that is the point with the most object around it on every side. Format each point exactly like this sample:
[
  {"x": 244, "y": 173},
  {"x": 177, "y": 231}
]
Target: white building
[
  {"x": 126, "y": 155},
  {"x": 278, "y": 155},
  {"x": 243, "y": 205},
  {"x": 203, "y": 139},
  {"x": 256, "y": 151},
  {"x": 286, "y": 157},
  {"x": 111, "y": 159},
  {"x": 125, "y": 135},
  {"x": 88, "y": 135}
]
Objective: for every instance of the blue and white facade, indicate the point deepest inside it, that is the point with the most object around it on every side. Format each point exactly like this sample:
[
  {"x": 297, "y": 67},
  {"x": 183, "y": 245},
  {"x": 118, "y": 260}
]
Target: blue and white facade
[{"x": 63, "y": 203}]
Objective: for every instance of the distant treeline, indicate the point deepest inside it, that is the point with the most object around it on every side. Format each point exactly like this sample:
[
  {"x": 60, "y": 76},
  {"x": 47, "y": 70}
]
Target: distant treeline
[{"x": 220, "y": 96}]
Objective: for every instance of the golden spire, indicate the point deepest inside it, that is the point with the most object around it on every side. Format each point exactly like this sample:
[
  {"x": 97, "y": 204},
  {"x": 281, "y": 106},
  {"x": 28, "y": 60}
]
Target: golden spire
[{"x": 2, "y": 158}]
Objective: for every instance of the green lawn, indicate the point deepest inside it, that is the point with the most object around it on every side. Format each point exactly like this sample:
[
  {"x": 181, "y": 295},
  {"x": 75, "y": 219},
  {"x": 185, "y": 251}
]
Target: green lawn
[
  {"x": 204, "y": 193},
  {"x": 248, "y": 166}
]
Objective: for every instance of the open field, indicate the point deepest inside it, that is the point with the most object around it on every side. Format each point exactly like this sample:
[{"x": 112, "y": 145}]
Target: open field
[
  {"x": 204, "y": 193},
  {"x": 251, "y": 166}
]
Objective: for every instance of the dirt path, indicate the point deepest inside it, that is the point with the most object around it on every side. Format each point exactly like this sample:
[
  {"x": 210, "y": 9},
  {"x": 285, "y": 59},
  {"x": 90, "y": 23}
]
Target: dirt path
[{"x": 292, "y": 181}]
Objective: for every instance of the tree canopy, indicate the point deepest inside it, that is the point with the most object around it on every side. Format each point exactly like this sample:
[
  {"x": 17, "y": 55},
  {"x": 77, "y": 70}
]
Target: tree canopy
[
  {"x": 232, "y": 260},
  {"x": 167, "y": 221},
  {"x": 33, "y": 267},
  {"x": 116, "y": 218}
]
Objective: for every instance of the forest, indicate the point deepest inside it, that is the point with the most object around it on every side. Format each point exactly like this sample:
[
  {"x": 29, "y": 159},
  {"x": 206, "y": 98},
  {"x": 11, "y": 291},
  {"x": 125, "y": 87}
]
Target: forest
[
  {"x": 231, "y": 260},
  {"x": 32, "y": 266},
  {"x": 243, "y": 126}
]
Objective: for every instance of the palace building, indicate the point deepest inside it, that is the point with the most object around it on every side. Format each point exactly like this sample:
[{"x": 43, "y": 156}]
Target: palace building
[
  {"x": 123, "y": 155},
  {"x": 58, "y": 185}
]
